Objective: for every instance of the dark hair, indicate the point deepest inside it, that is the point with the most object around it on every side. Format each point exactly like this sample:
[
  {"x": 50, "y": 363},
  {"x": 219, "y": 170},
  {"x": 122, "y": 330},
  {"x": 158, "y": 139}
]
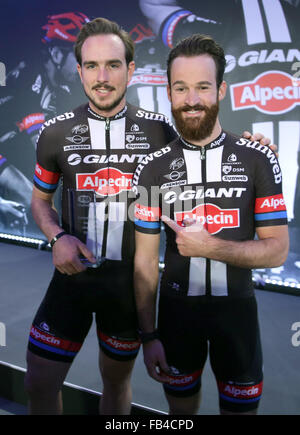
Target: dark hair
[
  {"x": 102, "y": 26},
  {"x": 196, "y": 45}
]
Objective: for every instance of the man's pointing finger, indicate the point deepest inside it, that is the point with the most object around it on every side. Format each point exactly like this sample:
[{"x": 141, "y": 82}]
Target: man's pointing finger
[{"x": 172, "y": 224}]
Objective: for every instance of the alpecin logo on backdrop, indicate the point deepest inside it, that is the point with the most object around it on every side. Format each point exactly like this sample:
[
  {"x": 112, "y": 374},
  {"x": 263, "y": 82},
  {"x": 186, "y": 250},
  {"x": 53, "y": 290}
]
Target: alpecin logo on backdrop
[{"x": 272, "y": 92}]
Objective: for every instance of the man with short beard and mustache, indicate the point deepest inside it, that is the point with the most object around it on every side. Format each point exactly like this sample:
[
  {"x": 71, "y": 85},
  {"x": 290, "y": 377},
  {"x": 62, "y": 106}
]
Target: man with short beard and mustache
[
  {"x": 213, "y": 190},
  {"x": 196, "y": 129}
]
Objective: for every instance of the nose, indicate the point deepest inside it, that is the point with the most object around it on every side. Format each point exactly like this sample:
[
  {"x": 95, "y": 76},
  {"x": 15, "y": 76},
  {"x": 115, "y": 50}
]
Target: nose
[
  {"x": 192, "y": 97},
  {"x": 102, "y": 75}
]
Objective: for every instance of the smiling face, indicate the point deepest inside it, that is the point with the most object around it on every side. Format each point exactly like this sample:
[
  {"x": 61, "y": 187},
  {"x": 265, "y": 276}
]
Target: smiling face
[
  {"x": 104, "y": 73},
  {"x": 195, "y": 97}
]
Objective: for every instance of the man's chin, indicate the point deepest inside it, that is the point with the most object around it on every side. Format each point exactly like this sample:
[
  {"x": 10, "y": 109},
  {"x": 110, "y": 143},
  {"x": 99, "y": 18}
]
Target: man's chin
[{"x": 103, "y": 106}]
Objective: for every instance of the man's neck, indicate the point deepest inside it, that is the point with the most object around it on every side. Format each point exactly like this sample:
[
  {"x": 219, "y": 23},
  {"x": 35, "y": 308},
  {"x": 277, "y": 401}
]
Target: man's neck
[
  {"x": 215, "y": 133},
  {"x": 108, "y": 113}
]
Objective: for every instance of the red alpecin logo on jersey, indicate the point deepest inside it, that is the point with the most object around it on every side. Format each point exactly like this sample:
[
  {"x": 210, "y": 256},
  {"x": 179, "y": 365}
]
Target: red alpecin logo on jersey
[
  {"x": 271, "y": 92},
  {"x": 270, "y": 204},
  {"x": 105, "y": 182},
  {"x": 213, "y": 218},
  {"x": 148, "y": 214}
]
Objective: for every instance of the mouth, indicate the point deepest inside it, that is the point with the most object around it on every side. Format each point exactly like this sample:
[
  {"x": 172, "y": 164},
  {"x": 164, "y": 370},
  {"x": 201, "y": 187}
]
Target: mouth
[
  {"x": 195, "y": 111},
  {"x": 103, "y": 90}
]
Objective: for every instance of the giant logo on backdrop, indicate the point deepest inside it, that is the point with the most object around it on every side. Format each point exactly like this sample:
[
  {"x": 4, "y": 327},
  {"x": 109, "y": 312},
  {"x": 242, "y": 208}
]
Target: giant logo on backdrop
[{"x": 272, "y": 92}]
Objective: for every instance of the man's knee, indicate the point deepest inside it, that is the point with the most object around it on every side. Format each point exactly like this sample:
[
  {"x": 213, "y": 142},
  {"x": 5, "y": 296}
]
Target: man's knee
[
  {"x": 115, "y": 373},
  {"x": 184, "y": 405},
  {"x": 44, "y": 376}
]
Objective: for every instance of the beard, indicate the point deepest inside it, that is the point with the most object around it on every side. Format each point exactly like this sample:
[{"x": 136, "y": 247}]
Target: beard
[
  {"x": 108, "y": 106},
  {"x": 196, "y": 128}
]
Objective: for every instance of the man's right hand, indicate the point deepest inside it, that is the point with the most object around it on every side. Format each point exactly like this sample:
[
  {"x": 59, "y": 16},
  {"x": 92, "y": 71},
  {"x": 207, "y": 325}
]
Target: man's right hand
[
  {"x": 155, "y": 360},
  {"x": 66, "y": 255}
]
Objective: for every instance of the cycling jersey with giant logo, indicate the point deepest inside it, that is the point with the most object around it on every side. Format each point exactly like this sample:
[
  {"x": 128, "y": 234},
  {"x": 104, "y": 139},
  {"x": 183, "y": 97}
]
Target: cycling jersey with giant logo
[
  {"x": 98, "y": 156},
  {"x": 231, "y": 186}
]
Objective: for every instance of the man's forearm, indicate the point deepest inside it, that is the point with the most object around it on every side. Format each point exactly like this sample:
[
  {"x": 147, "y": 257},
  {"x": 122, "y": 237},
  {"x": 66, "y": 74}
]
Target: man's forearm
[
  {"x": 250, "y": 254},
  {"x": 46, "y": 217},
  {"x": 270, "y": 250},
  {"x": 145, "y": 283}
]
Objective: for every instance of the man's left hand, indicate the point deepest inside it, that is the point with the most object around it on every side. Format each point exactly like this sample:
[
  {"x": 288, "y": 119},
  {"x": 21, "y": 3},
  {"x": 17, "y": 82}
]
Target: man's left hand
[
  {"x": 259, "y": 137},
  {"x": 192, "y": 239}
]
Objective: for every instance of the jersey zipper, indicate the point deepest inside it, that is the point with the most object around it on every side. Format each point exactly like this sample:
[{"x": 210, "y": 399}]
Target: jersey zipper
[
  {"x": 107, "y": 146},
  {"x": 202, "y": 153},
  {"x": 203, "y": 171}
]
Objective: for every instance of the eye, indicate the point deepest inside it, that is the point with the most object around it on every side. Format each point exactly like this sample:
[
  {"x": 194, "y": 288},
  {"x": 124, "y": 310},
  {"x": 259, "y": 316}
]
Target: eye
[
  {"x": 204, "y": 86},
  {"x": 90, "y": 66},
  {"x": 179, "y": 89},
  {"x": 115, "y": 65}
]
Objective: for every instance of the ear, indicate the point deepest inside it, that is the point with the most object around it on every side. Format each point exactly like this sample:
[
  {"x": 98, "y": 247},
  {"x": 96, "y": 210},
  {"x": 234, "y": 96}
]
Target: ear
[
  {"x": 169, "y": 92},
  {"x": 131, "y": 68},
  {"x": 222, "y": 90},
  {"x": 79, "y": 70}
]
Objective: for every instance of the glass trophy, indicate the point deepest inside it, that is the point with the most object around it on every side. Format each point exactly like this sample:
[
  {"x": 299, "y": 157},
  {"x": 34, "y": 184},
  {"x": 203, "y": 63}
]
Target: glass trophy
[{"x": 83, "y": 222}]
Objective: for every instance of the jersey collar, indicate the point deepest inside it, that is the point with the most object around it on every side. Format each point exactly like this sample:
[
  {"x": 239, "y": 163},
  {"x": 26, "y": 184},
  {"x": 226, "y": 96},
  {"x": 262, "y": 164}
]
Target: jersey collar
[
  {"x": 119, "y": 115},
  {"x": 214, "y": 144}
]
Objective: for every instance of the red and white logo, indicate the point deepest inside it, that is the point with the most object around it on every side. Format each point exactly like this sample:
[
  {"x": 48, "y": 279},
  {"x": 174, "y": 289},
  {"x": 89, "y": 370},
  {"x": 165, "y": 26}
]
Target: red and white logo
[
  {"x": 115, "y": 343},
  {"x": 149, "y": 79},
  {"x": 270, "y": 204},
  {"x": 271, "y": 92},
  {"x": 34, "y": 119},
  {"x": 183, "y": 380},
  {"x": 213, "y": 218},
  {"x": 46, "y": 176},
  {"x": 51, "y": 340},
  {"x": 105, "y": 182},
  {"x": 149, "y": 214},
  {"x": 241, "y": 391}
]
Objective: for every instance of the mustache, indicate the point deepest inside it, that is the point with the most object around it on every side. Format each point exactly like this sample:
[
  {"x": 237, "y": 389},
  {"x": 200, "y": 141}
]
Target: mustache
[
  {"x": 104, "y": 86},
  {"x": 187, "y": 108}
]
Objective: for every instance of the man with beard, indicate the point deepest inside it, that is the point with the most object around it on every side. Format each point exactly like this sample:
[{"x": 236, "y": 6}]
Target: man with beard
[{"x": 214, "y": 191}]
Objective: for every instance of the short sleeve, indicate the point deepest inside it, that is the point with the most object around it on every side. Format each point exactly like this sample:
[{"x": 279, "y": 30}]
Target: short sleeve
[
  {"x": 270, "y": 208},
  {"x": 147, "y": 211},
  {"x": 47, "y": 173}
]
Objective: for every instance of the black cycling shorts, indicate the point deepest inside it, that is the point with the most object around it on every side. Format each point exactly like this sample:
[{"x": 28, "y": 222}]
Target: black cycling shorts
[
  {"x": 66, "y": 314},
  {"x": 227, "y": 330}
]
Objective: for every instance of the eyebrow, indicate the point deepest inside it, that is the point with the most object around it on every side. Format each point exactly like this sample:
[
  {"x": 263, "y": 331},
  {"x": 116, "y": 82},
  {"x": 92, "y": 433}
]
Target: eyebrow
[
  {"x": 93, "y": 62},
  {"x": 181, "y": 82}
]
